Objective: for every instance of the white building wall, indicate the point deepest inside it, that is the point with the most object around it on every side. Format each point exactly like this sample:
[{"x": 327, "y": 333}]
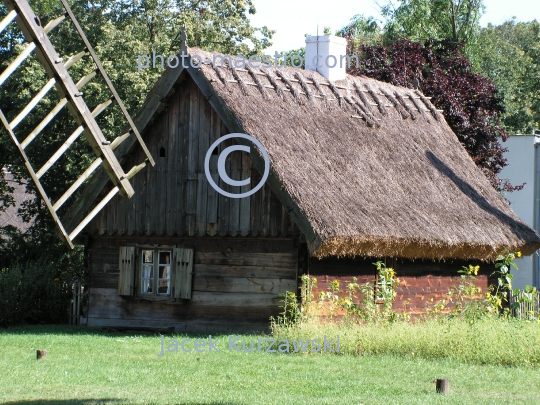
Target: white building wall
[{"x": 521, "y": 169}]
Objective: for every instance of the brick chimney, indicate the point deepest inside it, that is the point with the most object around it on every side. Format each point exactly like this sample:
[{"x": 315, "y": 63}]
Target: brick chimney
[{"x": 327, "y": 55}]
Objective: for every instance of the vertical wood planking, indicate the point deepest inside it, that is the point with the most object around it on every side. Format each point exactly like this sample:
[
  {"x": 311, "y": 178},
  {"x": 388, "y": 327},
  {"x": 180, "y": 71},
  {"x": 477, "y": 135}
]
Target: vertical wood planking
[
  {"x": 224, "y": 202},
  {"x": 255, "y": 200},
  {"x": 213, "y": 195},
  {"x": 235, "y": 173},
  {"x": 193, "y": 155},
  {"x": 183, "y": 152},
  {"x": 172, "y": 164},
  {"x": 204, "y": 143},
  {"x": 162, "y": 191},
  {"x": 265, "y": 210},
  {"x": 275, "y": 215},
  {"x": 245, "y": 203}
]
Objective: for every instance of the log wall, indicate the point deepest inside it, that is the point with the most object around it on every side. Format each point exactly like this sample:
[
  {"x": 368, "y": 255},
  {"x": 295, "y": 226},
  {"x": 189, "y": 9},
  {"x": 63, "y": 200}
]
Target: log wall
[
  {"x": 236, "y": 284},
  {"x": 175, "y": 198}
]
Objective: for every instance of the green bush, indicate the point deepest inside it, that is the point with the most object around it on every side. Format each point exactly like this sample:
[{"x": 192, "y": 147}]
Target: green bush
[{"x": 39, "y": 291}]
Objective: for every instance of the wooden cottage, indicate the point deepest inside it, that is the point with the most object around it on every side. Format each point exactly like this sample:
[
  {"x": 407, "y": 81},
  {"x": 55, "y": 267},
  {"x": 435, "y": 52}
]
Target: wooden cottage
[{"x": 360, "y": 170}]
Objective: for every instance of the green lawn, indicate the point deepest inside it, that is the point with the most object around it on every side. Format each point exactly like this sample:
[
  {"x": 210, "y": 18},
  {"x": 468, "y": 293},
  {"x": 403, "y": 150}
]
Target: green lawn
[{"x": 86, "y": 366}]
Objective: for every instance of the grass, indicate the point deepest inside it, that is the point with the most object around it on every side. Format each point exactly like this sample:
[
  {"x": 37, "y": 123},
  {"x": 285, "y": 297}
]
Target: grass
[
  {"x": 490, "y": 340},
  {"x": 86, "y": 366}
]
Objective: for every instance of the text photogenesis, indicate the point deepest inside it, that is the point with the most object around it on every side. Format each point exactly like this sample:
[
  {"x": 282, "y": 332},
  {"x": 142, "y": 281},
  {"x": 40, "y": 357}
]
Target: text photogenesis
[{"x": 221, "y": 165}]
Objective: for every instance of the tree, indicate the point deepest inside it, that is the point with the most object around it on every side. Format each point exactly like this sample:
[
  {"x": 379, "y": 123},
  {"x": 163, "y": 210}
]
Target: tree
[
  {"x": 470, "y": 101},
  {"x": 119, "y": 31},
  {"x": 509, "y": 54},
  {"x": 362, "y": 30},
  {"x": 420, "y": 20}
]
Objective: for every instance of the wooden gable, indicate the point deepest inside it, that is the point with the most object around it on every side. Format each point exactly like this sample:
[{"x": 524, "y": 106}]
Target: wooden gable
[{"x": 175, "y": 198}]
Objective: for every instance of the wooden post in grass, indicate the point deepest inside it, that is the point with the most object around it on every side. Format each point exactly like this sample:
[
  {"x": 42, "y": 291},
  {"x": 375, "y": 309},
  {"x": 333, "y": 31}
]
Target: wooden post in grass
[
  {"x": 41, "y": 354},
  {"x": 443, "y": 386}
]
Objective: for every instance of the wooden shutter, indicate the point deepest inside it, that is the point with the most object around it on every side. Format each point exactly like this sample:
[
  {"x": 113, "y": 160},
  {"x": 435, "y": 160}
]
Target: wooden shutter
[
  {"x": 183, "y": 260},
  {"x": 126, "y": 266}
]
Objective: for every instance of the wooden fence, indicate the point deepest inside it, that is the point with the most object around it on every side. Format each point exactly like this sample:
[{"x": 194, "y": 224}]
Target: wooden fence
[
  {"x": 528, "y": 304},
  {"x": 76, "y": 303}
]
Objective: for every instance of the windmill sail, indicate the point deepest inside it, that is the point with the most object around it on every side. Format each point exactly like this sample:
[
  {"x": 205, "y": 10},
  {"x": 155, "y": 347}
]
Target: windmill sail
[{"x": 39, "y": 44}]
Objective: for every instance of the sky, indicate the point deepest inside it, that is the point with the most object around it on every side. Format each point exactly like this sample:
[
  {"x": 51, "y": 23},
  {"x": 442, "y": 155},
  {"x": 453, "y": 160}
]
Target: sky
[{"x": 294, "y": 18}]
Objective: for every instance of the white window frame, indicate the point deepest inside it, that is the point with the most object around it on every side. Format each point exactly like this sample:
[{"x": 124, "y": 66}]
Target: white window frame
[{"x": 156, "y": 266}]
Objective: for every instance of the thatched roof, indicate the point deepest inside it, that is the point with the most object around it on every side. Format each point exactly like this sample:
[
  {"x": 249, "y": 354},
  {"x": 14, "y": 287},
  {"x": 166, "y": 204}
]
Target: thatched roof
[
  {"x": 10, "y": 216},
  {"x": 365, "y": 168}
]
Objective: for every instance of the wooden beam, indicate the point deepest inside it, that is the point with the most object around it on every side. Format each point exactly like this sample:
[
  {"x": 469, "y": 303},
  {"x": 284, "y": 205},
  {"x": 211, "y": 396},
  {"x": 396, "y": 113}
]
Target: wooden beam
[
  {"x": 156, "y": 96},
  {"x": 30, "y": 26},
  {"x": 26, "y": 52},
  {"x": 36, "y": 180},
  {"x": 77, "y": 183},
  {"x": 7, "y": 20},
  {"x": 94, "y": 212},
  {"x": 107, "y": 81},
  {"x": 72, "y": 138},
  {"x": 48, "y": 118},
  {"x": 37, "y": 98}
]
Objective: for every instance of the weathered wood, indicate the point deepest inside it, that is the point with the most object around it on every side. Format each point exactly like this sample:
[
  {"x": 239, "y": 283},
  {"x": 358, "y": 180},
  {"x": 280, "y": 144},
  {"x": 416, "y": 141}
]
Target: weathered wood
[
  {"x": 162, "y": 191},
  {"x": 193, "y": 148},
  {"x": 173, "y": 164},
  {"x": 28, "y": 23},
  {"x": 235, "y": 173},
  {"x": 72, "y": 138},
  {"x": 283, "y": 259},
  {"x": 255, "y": 203},
  {"x": 94, "y": 212},
  {"x": 243, "y": 284},
  {"x": 245, "y": 203},
  {"x": 205, "y": 128},
  {"x": 41, "y": 354},
  {"x": 224, "y": 203},
  {"x": 108, "y": 81},
  {"x": 44, "y": 90},
  {"x": 38, "y": 185},
  {"x": 216, "y": 244},
  {"x": 183, "y": 260},
  {"x": 7, "y": 20},
  {"x": 237, "y": 272},
  {"x": 443, "y": 386},
  {"x": 126, "y": 265},
  {"x": 232, "y": 124},
  {"x": 153, "y": 102}
]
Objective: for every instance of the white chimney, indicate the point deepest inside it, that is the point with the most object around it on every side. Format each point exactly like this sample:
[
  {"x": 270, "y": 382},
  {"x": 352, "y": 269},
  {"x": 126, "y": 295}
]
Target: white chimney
[{"x": 327, "y": 55}]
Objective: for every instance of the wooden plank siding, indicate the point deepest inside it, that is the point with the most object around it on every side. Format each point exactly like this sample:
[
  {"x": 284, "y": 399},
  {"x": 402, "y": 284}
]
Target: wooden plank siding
[
  {"x": 236, "y": 283},
  {"x": 175, "y": 198}
]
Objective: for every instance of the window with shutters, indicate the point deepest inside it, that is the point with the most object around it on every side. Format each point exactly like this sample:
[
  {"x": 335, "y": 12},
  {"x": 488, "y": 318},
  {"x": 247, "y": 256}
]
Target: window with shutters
[{"x": 155, "y": 272}]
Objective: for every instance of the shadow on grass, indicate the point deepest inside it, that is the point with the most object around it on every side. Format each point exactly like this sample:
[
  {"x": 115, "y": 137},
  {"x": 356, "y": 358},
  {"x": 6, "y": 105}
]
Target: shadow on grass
[
  {"x": 102, "y": 401},
  {"x": 24, "y": 330}
]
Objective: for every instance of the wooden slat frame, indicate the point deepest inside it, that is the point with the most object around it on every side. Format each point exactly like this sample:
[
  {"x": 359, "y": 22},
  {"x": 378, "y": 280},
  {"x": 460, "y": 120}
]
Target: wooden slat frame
[
  {"x": 30, "y": 25},
  {"x": 183, "y": 272}
]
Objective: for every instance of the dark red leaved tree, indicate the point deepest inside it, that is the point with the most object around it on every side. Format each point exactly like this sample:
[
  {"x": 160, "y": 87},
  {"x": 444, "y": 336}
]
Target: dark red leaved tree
[{"x": 469, "y": 101}]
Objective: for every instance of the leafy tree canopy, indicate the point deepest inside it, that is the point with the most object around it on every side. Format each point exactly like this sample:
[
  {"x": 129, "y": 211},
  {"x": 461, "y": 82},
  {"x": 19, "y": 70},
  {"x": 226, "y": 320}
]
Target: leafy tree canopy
[{"x": 119, "y": 31}]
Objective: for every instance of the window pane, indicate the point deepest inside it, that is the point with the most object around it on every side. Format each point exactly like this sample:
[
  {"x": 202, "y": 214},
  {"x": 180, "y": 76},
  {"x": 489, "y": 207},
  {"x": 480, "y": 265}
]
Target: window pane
[
  {"x": 146, "y": 286},
  {"x": 148, "y": 256},
  {"x": 164, "y": 279},
  {"x": 164, "y": 257},
  {"x": 148, "y": 271}
]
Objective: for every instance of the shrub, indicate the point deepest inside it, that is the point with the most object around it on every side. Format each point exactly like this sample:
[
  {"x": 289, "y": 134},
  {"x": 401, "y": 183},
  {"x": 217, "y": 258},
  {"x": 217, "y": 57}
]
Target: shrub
[{"x": 38, "y": 291}]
